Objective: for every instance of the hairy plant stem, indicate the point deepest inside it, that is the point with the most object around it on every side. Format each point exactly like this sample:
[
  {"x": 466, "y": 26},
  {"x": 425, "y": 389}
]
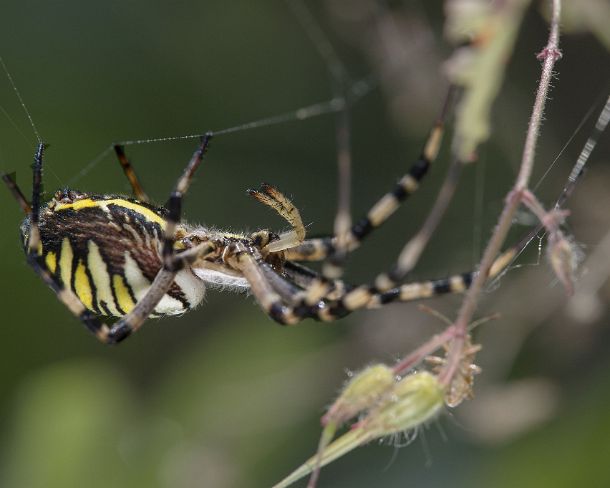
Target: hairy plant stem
[
  {"x": 417, "y": 356},
  {"x": 549, "y": 55}
]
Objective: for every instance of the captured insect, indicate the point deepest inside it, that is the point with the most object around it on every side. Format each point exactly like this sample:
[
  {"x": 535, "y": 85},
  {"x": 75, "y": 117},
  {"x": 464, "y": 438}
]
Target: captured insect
[{"x": 122, "y": 257}]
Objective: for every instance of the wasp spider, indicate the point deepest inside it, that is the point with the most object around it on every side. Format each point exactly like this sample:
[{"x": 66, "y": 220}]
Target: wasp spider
[{"x": 114, "y": 256}]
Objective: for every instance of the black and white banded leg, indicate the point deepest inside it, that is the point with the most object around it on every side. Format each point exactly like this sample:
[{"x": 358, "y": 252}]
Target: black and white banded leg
[
  {"x": 288, "y": 304},
  {"x": 318, "y": 249}
]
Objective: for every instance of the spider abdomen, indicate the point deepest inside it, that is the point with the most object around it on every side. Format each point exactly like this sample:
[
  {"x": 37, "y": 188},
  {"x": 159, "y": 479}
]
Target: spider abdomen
[{"x": 107, "y": 249}]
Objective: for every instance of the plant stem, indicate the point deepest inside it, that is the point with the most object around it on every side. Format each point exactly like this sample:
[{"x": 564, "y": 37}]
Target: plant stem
[{"x": 550, "y": 54}]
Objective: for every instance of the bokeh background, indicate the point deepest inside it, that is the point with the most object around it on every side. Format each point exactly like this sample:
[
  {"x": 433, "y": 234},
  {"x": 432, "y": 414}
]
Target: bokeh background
[{"x": 223, "y": 397}]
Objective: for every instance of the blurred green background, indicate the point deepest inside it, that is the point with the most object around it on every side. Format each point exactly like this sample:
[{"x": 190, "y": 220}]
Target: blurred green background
[{"x": 222, "y": 397}]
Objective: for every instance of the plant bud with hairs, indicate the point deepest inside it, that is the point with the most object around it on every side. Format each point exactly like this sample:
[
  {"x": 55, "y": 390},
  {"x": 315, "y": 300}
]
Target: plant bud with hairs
[
  {"x": 363, "y": 391},
  {"x": 412, "y": 402}
]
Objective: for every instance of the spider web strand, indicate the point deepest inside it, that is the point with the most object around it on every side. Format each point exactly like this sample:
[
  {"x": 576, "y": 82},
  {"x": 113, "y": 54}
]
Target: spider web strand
[{"x": 16, "y": 90}]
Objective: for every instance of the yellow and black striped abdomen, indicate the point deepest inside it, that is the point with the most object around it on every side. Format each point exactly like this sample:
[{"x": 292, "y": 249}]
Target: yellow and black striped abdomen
[{"x": 107, "y": 249}]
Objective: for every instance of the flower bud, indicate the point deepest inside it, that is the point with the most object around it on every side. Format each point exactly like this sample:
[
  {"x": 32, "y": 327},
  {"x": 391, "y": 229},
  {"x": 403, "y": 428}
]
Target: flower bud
[
  {"x": 413, "y": 401},
  {"x": 362, "y": 392}
]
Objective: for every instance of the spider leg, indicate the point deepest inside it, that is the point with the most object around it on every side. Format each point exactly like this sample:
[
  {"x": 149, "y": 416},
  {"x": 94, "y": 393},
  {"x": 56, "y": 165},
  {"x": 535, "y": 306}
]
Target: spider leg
[
  {"x": 339, "y": 298},
  {"x": 315, "y": 285},
  {"x": 288, "y": 289},
  {"x": 279, "y": 297},
  {"x": 172, "y": 263},
  {"x": 174, "y": 203},
  {"x": 34, "y": 235},
  {"x": 412, "y": 250},
  {"x": 367, "y": 296},
  {"x": 272, "y": 197},
  {"x": 136, "y": 187},
  {"x": 289, "y": 299},
  {"x": 11, "y": 183},
  {"x": 269, "y": 299},
  {"x": 318, "y": 249}
]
